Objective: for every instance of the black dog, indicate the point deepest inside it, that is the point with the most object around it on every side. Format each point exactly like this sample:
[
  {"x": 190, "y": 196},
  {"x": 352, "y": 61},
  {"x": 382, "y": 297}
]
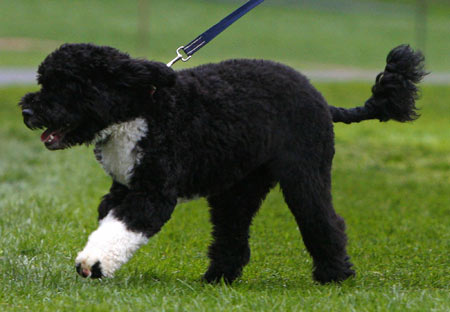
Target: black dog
[{"x": 227, "y": 131}]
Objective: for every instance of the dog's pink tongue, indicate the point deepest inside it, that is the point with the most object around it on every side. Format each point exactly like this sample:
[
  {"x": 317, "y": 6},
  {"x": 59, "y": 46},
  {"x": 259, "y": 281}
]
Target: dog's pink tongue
[{"x": 45, "y": 136}]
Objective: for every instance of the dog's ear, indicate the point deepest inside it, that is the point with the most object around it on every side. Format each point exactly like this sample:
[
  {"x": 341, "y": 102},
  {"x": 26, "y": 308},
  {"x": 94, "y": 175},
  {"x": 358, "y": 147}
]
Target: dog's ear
[{"x": 140, "y": 74}]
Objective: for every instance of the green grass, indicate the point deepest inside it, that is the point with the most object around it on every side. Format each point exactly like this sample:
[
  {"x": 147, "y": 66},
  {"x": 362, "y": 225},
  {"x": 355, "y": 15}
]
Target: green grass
[
  {"x": 302, "y": 36},
  {"x": 390, "y": 183}
]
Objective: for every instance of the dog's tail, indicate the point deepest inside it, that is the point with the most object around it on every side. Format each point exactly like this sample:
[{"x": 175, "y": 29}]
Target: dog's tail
[{"x": 394, "y": 93}]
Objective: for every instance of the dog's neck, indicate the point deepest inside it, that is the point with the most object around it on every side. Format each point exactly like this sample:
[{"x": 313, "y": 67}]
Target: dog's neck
[{"x": 116, "y": 148}]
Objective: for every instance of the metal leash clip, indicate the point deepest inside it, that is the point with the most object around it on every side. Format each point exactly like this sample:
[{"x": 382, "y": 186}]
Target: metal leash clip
[
  {"x": 179, "y": 57},
  {"x": 199, "y": 42}
]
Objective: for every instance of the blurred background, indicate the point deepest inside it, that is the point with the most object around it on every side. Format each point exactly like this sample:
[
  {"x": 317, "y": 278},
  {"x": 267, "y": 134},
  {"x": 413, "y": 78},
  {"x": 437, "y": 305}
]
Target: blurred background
[
  {"x": 335, "y": 36},
  {"x": 390, "y": 181}
]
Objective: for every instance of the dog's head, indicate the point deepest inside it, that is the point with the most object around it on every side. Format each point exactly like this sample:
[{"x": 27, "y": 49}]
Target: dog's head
[{"x": 85, "y": 88}]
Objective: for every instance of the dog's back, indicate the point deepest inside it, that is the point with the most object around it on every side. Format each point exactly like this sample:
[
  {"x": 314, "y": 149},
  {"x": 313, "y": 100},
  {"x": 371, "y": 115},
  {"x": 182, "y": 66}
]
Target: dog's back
[{"x": 240, "y": 114}]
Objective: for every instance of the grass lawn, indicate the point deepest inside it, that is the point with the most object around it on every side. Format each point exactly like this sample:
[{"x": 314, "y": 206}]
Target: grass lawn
[
  {"x": 391, "y": 184},
  {"x": 304, "y": 36}
]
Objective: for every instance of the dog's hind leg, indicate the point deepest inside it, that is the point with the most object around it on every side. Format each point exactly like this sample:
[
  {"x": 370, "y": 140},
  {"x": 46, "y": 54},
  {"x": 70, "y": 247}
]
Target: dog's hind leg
[
  {"x": 307, "y": 191},
  {"x": 231, "y": 215}
]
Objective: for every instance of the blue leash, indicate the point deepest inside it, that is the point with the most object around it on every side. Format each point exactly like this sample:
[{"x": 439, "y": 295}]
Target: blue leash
[{"x": 211, "y": 33}]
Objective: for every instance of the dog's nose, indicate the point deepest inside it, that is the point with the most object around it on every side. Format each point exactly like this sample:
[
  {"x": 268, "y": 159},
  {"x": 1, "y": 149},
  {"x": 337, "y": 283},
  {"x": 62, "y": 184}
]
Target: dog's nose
[{"x": 27, "y": 112}]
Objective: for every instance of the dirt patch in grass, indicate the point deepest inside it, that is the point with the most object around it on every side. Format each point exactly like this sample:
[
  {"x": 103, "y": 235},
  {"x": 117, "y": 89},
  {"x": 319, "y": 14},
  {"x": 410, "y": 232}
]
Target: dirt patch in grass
[{"x": 17, "y": 44}]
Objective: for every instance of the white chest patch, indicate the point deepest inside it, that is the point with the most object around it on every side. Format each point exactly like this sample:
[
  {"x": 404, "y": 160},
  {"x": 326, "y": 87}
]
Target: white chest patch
[{"x": 117, "y": 151}]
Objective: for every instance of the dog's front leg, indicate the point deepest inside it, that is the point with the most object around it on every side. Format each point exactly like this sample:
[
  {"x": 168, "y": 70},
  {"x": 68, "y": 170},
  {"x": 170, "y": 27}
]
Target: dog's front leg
[
  {"x": 121, "y": 232},
  {"x": 114, "y": 198}
]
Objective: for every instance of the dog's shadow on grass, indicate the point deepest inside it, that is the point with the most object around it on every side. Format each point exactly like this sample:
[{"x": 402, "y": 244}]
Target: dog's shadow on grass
[{"x": 152, "y": 279}]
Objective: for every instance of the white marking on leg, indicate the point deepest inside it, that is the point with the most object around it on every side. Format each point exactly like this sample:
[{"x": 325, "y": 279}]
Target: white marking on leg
[{"x": 112, "y": 244}]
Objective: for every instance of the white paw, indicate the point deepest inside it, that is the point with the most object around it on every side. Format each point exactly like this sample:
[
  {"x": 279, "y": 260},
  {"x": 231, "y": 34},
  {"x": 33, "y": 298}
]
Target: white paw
[
  {"x": 89, "y": 265},
  {"x": 108, "y": 247}
]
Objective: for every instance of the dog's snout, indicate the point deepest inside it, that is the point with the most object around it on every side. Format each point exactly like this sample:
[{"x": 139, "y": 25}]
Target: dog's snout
[
  {"x": 29, "y": 118},
  {"x": 27, "y": 112}
]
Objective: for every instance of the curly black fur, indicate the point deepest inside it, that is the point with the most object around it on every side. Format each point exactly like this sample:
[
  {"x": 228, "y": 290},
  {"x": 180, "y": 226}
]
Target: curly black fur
[
  {"x": 394, "y": 93},
  {"x": 227, "y": 131}
]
